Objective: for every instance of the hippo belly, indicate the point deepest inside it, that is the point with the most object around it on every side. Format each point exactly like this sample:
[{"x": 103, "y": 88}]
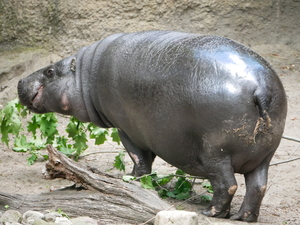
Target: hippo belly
[{"x": 206, "y": 104}]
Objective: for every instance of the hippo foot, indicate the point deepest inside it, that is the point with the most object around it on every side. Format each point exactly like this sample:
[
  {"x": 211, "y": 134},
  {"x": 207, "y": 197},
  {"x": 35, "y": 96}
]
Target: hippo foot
[
  {"x": 138, "y": 172},
  {"x": 245, "y": 216},
  {"x": 212, "y": 212}
]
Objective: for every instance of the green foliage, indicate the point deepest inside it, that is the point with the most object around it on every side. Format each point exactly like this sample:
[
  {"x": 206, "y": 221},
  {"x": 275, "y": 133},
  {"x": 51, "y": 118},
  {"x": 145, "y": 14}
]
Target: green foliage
[
  {"x": 181, "y": 190},
  {"x": 208, "y": 187},
  {"x": 115, "y": 136},
  {"x": 63, "y": 214},
  {"x": 10, "y": 121},
  {"x": 42, "y": 130},
  {"x": 119, "y": 161},
  {"x": 98, "y": 133},
  {"x": 146, "y": 182}
]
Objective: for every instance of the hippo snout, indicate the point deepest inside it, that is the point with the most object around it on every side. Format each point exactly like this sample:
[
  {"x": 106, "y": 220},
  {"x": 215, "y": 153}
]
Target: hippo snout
[
  {"x": 30, "y": 95},
  {"x": 24, "y": 94}
]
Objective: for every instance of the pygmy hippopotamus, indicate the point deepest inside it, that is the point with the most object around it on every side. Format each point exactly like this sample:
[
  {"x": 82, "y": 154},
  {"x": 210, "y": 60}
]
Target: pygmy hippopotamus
[{"x": 205, "y": 104}]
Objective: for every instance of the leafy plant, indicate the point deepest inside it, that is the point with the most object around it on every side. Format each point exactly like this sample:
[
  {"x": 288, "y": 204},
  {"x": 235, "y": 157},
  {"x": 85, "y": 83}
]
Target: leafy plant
[
  {"x": 119, "y": 161},
  {"x": 207, "y": 185},
  {"x": 42, "y": 130},
  {"x": 181, "y": 190},
  {"x": 63, "y": 214},
  {"x": 10, "y": 121}
]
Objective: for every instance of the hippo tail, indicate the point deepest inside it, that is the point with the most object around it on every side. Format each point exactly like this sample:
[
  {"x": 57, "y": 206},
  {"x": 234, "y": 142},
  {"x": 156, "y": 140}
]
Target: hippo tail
[{"x": 262, "y": 99}]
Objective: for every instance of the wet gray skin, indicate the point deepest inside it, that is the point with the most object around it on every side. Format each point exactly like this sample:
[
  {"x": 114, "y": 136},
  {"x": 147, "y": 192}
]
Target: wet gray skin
[{"x": 205, "y": 104}]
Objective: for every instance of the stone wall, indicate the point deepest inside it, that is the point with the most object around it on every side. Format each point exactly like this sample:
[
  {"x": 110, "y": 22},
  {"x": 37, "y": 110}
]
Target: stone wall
[{"x": 66, "y": 25}]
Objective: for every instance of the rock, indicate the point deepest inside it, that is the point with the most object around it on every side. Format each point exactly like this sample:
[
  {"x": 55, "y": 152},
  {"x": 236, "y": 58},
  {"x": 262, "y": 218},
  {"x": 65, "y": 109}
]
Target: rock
[
  {"x": 62, "y": 221},
  {"x": 84, "y": 221},
  {"x": 11, "y": 216},
  {"x": 40, "y": 222},
  {"x": 30, "y": 217},
  {"x": 176, "y": 218},
  {"x": 51, "y": 217}
]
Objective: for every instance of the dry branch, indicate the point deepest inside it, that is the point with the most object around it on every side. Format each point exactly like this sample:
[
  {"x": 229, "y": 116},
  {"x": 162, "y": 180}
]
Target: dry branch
[{"x": 107, "y": 199}]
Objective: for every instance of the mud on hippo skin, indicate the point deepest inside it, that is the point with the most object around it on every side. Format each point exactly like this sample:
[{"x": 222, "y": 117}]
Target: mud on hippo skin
[{"x": 205, "y": 104}]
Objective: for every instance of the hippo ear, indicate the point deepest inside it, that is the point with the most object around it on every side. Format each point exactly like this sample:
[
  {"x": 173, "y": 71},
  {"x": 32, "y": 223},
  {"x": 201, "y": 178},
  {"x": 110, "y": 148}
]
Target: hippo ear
[{"x": 73, "y": 65}]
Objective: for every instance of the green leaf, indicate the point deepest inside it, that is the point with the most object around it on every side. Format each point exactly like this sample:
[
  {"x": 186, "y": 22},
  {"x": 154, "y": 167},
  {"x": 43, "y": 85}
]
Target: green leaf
[
  {"x": 63, "y": 147},
  {"x": 180, "y": 172},
  {"x": 37, "y": 143},
  {"x": 33, "y": 125},
  {"x": 115, "y": 135},
  {"x": 31, "y": 159},
  {"x": 67, "y": 150},
  {"x": 119, "y": 161},
  {"x": 182, "y": 185},
  {"x": 162, "y": 193},
  {"x": 48, "y": 125},
  {"x": 73, "y": 127},
  {"x": 128, "y": 178},
  {"x": 10, "y": 122},
  {"x": 21, "y": 144},
  {"x": 146, "y": 182},
  {"x": 208, "y": 187},
  {"x": 170, "y": 194},
  {"x": 80, "y": 143},
  {"x": 4, "y": 131},
  {"x": 99, "y": 134},
  {"x": 164, "y": 180},
  {"x": 206, "y": 198},
  {"x": 183, "y": 196},
  {"x": 60, "y": 141}
]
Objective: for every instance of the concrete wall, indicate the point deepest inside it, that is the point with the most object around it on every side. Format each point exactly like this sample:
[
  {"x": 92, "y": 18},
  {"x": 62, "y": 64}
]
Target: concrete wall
[{"x": 66, "y": 25}]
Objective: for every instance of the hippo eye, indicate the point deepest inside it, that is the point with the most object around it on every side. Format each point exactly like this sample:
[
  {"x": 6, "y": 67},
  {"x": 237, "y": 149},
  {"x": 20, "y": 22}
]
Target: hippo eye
[{"x": 50, "y": 72}]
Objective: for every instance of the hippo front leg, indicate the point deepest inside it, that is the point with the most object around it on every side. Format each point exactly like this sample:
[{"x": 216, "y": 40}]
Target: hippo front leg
[
  {"x": 256, "y": 185},
  {"x": 221, "y": 176},
  {"x": 142, "y": 159}
]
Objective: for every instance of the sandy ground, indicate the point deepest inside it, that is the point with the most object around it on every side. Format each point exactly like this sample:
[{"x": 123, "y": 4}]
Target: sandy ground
[{"x": 282, "y": 200}]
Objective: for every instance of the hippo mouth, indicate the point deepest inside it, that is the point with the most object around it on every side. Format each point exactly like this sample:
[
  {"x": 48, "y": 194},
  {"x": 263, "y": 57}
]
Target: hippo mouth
[{"x": 35, "y": 101}]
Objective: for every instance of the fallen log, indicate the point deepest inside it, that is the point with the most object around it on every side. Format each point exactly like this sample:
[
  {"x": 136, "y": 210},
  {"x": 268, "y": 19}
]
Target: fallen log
[{"x": 105, "y": 198}]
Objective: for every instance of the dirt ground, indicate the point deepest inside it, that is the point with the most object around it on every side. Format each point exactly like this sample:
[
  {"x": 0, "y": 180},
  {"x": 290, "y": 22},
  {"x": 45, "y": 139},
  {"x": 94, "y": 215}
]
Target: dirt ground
[{"x": 282, "y": 200}]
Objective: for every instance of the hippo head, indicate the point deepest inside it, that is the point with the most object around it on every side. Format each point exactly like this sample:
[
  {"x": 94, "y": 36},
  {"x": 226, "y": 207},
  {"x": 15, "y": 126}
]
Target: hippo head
[{"x": 54, "y": 89}]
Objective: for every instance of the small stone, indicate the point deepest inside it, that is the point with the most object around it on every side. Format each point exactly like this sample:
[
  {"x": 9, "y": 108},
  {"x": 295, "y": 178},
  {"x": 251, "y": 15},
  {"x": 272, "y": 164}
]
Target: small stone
[
  {"x": 84, "y": 220},
  {"x": 43, "y": 222},
  {"x": 11, "y": 216},
  {"x": 29, "y": 221},
  {"x": 30, "y": 217},
  {"x": 63, "y": 221},
  {"x": 176, "y": 218},
  {"x": 51, "y": 216}
]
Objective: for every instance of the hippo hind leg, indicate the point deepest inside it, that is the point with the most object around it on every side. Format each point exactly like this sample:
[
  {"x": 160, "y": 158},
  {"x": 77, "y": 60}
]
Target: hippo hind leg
[
  {"x": 224, "y": 185},
  {"x": 256, "y": 184},
  {"x": 142, "y": 159}
]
